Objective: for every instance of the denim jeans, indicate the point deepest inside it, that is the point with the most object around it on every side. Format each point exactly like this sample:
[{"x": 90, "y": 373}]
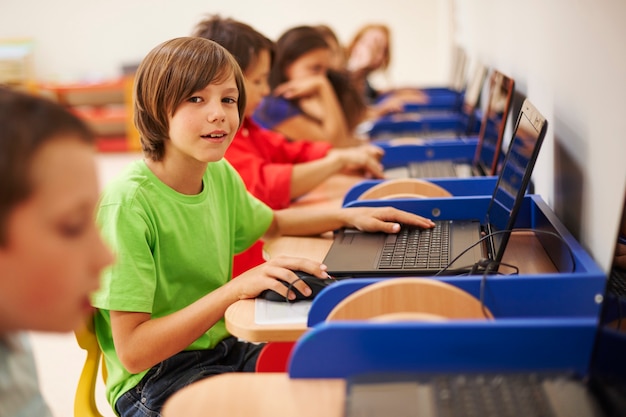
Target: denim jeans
[{"x": 147, "y": 398}]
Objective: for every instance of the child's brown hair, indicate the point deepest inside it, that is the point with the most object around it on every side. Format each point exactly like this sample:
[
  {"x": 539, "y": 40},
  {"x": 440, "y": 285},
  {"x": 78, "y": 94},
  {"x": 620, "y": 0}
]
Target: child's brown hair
[
  {"x": 170, "y": 74},
  {"x": 28, "y": 122},
  {"x": 240, "y": 39}
]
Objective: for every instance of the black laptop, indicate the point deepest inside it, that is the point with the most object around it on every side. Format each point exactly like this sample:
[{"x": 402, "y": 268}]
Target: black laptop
[
  {"x": 453, "y": 246},
  {"x": 489, "y": 140},
  {"x": 558, "y": 393}
]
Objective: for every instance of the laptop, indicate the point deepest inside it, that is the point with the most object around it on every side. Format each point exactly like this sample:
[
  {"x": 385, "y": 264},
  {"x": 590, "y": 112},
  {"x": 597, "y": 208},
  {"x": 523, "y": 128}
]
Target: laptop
[
  {"x": 489, "y": 141},
  {"x": 616, "y": 283},
  {"x": 403, "y": 122},
  {"x": 488, "y": 394},
  {"x": 455, "y": 245},
  {"x": 600, "y": 393}
]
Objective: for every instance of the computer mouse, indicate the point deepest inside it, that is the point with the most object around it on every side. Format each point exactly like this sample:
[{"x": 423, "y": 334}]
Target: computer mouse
[{"x": 316, "y": 284}]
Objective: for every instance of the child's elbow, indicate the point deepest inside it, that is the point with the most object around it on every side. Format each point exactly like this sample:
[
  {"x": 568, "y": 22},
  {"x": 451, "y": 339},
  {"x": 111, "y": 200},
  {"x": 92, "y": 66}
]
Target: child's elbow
[{"x": 134, "y": 364}]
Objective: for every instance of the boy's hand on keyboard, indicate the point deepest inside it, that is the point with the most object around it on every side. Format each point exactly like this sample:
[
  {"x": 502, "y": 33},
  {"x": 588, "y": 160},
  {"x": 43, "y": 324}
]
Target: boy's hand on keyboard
[{"x": 383, "y": 219}]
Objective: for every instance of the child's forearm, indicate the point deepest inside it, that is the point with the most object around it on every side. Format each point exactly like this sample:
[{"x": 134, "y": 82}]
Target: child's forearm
[
  {"x": 307, "y": 175},
  {"x": 142, "y": 342},
  {"x": 301, "y": 222}
]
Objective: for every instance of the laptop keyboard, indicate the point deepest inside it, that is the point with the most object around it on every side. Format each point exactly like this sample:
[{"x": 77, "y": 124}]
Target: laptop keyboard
[
  {"x": 432, "y": 169},
  {"x": 617, "y": 282},
  {"x": 458, "y": 395},
  {"x": 490, "y": 395},
  {"x": 414, "y": 248}
]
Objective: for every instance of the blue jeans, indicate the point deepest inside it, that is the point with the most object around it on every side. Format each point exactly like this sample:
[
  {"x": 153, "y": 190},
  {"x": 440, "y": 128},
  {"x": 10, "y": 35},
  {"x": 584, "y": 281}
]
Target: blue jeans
[{"x": 147, "y": 398}]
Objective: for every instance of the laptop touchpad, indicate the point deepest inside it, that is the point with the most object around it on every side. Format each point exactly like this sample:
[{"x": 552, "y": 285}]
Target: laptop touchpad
[{"x": 349, "y": 253}]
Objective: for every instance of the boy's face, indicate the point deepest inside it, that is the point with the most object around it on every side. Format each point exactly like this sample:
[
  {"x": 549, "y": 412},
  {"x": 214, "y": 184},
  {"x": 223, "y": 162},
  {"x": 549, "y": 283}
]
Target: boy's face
[
  {"x": 53, "y": 255},
  {"x": 256, "y": 81},
  {"x": 315, "y": 62},
  {"x": 203, "y": 126}
]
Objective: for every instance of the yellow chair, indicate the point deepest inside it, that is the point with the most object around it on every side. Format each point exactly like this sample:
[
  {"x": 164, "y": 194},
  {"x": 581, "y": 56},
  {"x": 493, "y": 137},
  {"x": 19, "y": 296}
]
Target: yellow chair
[{"x": 85, "y": 398}]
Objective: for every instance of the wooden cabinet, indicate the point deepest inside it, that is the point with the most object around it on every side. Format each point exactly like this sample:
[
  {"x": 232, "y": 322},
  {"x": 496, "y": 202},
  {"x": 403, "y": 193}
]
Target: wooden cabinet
[
  {"x": 16, "y": 63},
  {"x": 106, "y": 106}
]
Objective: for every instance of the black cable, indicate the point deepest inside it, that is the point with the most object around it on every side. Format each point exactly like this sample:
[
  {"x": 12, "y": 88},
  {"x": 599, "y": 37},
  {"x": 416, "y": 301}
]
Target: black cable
[
  {"x": 498, "y": 232},
  {"x": 483, "y": 282},
  {"x": 490, "y": 266},
  {"x": 290, "y": 287}
]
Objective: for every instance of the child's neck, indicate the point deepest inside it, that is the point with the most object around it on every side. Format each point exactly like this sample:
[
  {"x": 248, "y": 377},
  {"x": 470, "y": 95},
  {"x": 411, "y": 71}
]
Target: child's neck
[{"x": 183, "y": 178}]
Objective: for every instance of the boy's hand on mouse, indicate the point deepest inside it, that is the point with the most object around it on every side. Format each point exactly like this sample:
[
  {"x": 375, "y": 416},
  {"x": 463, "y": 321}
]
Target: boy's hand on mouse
[
  {"x": 364, "y": 158},
  {"x": 266, "y": 276},
  {"x": 383, "y": 219}
]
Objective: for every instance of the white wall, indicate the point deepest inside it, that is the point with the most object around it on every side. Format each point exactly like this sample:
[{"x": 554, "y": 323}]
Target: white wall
[
  {"x": 568, "y": 58},
  {"x": 82, "y": 39}
]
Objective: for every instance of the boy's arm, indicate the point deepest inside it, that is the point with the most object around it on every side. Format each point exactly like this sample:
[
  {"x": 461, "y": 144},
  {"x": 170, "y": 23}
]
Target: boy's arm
[
  {"x": 308, "y": 175},
  {"x": 297, "y": 222},
  {"x": 142, "y": 342}
]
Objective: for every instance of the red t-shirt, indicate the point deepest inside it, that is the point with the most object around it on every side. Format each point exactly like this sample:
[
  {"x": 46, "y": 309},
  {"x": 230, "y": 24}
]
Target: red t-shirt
[{"x": 265, "y": 160}]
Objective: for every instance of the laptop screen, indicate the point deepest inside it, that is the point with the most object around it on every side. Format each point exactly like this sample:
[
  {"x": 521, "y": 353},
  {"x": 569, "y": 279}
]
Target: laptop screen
[
  {"x": 493, "y": 124},
  {"x": 514, "y": 176}
]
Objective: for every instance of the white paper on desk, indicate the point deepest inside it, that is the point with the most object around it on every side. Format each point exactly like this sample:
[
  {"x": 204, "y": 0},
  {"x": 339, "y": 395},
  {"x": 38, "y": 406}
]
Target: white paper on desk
[{"x": 273, "y": 312}]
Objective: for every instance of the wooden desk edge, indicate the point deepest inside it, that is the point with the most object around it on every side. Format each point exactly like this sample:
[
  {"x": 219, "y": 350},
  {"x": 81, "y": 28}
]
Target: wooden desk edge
[
  {"x": 267, "y": 394},
  {"x": 240, "y": 321}
]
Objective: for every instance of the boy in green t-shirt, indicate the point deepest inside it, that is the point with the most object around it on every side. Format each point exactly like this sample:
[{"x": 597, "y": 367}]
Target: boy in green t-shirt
[{"x": 176, "y": 218}]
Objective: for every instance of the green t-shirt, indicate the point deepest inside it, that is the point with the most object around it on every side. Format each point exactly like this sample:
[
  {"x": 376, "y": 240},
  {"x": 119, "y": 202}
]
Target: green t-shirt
[{"x": 171, "y": 249}]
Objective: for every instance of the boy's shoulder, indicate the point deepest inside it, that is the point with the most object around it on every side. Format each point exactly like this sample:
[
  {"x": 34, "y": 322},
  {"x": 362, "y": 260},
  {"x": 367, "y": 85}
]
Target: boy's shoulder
[
  {"x": 126, "y": 182},
  {"x": 137, "y": 183},
  {"x": 137, "y": 176}
]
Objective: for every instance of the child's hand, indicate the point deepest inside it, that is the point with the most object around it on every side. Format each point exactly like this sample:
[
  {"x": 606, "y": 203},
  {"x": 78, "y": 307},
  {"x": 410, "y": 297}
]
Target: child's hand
[
  {"x": 302, "y": 87},
  {"x": 365, "y": 158},
  {"x": 383, "y": 219},
  {"x": 388, "y": 106},
  {"x": 265, "y": 276}
]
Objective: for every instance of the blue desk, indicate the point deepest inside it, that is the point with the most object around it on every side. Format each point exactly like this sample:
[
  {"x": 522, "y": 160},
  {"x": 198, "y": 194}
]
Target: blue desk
[
  {"x": 534, "y": 214},
  {"x": 410, "y": 123},
  {"x": 543, "y": 321},
  {"x": 438, "y": 99},
  {"x": 458, "y": 187},
  {"x": 428, "y": 150},
  {"x": 342, "y": 349}
]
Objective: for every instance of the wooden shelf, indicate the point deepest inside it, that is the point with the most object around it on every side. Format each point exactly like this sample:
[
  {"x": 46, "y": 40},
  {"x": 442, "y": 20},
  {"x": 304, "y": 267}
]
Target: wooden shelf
[{"x": 106, "y": 106}]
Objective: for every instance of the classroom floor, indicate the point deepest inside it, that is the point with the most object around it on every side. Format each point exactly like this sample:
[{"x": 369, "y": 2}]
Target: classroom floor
[{"x": 59, "y": 358}]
